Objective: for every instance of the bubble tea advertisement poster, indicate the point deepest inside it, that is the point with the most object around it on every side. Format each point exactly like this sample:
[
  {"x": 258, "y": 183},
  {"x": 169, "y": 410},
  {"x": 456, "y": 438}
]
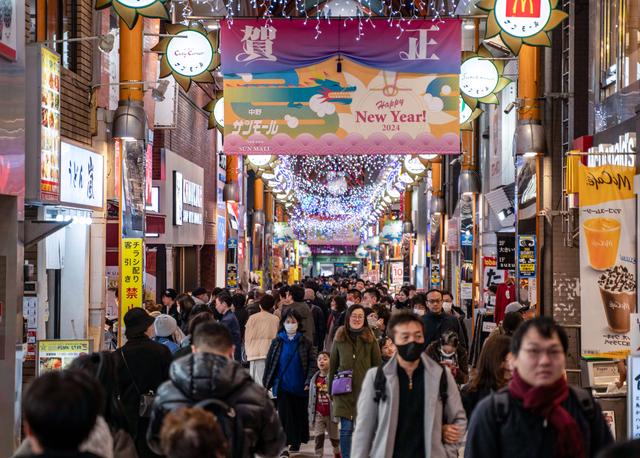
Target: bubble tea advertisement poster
[{"x": 607, "y": 255}]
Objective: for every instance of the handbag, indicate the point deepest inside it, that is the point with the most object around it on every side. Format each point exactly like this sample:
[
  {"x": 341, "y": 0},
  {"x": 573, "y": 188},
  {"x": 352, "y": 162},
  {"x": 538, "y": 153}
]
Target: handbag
[
  {"x": 145, "y": 402},
  {"x": 342, "y": 383}
]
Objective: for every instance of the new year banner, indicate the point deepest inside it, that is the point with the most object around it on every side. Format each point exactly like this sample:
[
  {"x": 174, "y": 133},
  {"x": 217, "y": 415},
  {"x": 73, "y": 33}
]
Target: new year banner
[
  {"x": 317, "y": 111},
  {"x": 607, "y": 259},
  {"x": 342, "y": 104}
]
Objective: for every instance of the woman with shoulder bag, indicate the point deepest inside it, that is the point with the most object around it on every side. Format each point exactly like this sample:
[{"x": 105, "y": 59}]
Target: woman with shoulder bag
[
  {"x": 289, "y": 368},
  {"x": 354, "y": 351}
]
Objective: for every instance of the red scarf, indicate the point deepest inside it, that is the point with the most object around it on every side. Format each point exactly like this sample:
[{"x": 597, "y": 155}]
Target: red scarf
[{"x": 546, "y": 401}]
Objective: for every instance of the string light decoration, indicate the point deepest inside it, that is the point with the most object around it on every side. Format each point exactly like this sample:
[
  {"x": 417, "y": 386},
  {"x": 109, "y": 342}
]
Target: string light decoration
[
  {"x": 398, "y": 15},
  {"x": 333, "y": 196}
]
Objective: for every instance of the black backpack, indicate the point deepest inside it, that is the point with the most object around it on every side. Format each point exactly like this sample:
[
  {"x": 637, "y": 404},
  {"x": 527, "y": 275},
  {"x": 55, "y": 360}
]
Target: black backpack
[
  {"x": 230, "y": 423},
  {"x": 380, "y": 387},
  {"x": 500, "y": 403}
]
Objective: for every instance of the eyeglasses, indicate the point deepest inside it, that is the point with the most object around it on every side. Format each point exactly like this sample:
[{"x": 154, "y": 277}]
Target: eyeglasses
[
  {"x": 434, "y": 301},
  {"x": 357, "y": 317},
  {"x": 552, "y": 353}
]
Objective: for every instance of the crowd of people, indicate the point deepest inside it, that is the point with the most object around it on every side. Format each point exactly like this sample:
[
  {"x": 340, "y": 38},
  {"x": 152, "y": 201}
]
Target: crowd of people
[{"x": 226, "y": 374}]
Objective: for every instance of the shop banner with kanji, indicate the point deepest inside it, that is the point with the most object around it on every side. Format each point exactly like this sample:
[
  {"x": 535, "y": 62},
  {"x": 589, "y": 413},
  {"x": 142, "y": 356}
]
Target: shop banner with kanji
[
  {"x": 286, "y": 93},
  {"x": 607, "y": 257},
  {"x": 131, "y": 292}
]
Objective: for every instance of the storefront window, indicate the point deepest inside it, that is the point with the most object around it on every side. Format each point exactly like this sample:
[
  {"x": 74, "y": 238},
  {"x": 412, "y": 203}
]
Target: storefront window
[
  {"x": 619, "y": 40},
  {"x": 631, "y": 41},
  {"x": 608, "y": 47},
  {"x": 59, "y": 22},
  {"x": 618, "y": 77}
]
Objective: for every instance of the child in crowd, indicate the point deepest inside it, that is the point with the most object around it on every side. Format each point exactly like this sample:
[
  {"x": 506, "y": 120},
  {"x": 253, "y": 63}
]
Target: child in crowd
[
  {"x": 320, "y": 418},
  {"x": 387, "y": 348}
]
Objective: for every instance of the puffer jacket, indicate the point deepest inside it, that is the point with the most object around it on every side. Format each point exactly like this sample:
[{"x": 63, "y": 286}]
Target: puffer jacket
[
  {"x": 307, "y": 356},
  {"x": 201, "y": 376}
]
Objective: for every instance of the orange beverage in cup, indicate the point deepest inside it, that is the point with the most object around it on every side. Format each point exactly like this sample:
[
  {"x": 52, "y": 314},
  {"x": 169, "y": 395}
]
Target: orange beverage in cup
[{"x": 603, "y": 237}]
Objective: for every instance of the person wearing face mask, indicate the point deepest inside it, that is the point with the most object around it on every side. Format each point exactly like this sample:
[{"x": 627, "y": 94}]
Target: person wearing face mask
[
  {"x": 291, "y": 363},
  {"x": 353, "y": 297},
  {"x": 449, "y": 307},
  {"x": 411, "y": 406},
  {"x": 354, "y": 351},
  {"x": 419, "y": 304},
  {"x": 211, "y": 373},
  {"x": 448, "y": 352}
]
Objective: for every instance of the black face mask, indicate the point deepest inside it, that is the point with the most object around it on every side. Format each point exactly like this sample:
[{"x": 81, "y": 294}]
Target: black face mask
[{"x": 411, "y": 351}]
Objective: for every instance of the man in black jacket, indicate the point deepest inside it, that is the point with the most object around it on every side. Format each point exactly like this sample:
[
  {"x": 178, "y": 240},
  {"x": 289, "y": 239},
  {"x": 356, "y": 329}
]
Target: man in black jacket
[
  {"x": 211, "y": 373},
  {"x": 538, "y": 415},
  {"x": 142, "y": 365},
  {"x": 436, "y": 321}
]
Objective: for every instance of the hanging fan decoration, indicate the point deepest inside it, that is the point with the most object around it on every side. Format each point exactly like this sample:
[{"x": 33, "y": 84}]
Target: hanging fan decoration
[
  {"x": 130, "y": 10},
  {"x": 190, "y": 55},
  {"x": 481, "y": 77},
  {"x": 215, "y": 108},
  {"x": 468, "y": 115},
  {"x": 521, "y": 22}
]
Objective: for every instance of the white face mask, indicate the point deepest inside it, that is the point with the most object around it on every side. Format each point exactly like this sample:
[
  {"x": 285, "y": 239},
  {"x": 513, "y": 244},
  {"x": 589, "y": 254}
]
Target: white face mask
[
  {"x": 350, "y": 303},
  {"x": 373, "y": 321},
  {"x": 446, "y": 306},
  {"x": 418, "y": 312},
  {"x": 447, "y": 355},
  {"x": 291, "y": 328}
]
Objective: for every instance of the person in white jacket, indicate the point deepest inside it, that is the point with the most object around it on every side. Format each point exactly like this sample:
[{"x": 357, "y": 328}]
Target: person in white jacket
[
  {"x": 261, "y": 329},
  {"x": 409, "y": 407}
]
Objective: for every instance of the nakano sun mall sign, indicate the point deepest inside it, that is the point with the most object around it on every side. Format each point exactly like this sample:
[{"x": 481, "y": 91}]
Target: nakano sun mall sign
[{"x": 287, "y": 93}]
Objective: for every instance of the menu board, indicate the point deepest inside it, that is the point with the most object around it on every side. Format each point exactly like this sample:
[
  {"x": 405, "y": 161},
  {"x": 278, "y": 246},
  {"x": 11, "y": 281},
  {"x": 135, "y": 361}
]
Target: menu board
[
  {"x": 57, "y": 354},
  {"x": 50, "y": 126}
]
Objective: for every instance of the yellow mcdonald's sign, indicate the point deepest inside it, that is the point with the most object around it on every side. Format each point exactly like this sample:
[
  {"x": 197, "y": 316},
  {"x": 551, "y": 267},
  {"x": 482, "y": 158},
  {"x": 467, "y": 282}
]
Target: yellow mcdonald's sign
[{"x": 523, "y": 8}]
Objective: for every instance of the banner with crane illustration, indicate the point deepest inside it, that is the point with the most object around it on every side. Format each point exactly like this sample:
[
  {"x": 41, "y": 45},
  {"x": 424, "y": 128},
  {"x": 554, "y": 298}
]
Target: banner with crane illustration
[{"x": 341, "y": 102}]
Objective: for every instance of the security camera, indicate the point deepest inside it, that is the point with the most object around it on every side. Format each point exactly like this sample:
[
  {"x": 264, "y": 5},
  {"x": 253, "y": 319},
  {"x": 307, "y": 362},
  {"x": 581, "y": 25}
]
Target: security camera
[{"x": 509, "y": 107}]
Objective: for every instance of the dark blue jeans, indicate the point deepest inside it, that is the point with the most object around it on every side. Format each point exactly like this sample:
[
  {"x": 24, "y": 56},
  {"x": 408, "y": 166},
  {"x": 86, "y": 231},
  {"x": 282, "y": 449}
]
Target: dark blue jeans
[{"x": 346, "y": 432}]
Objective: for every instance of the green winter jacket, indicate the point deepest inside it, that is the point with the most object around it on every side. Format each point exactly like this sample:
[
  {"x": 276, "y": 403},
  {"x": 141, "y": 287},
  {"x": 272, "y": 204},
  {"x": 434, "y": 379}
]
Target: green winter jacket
[{"x": 358, "y": 356}]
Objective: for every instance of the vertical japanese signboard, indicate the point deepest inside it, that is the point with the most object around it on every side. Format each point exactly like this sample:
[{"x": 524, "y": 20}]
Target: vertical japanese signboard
[
  {"x": 607, "y": 256},
  {"x": 397, "y": 274},
  {"x": 506, "y": 252},
  {"x": 132, "y": 272},
  {"x": 49, "y": 125}
]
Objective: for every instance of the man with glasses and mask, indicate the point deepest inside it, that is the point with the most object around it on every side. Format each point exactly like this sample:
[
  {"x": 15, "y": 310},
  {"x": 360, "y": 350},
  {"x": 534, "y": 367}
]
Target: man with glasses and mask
[
  {"x": 538, "y": 414},
  {"x": 410, "y": 407},
  {"x": 436, "y": 321}
]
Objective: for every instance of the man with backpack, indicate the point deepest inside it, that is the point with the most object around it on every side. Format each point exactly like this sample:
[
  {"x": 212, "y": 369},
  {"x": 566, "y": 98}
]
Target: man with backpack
[
  {"x": 410, "y": 407},
  {"x": 538, "y": 414},
  {"x": 210, "y": 379}
]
